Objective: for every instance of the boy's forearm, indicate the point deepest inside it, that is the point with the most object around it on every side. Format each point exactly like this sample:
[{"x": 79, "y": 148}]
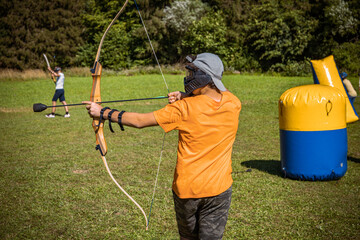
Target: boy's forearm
[
  {"x": 132, "y": 119},
  {"x": 53, "y": 73}
]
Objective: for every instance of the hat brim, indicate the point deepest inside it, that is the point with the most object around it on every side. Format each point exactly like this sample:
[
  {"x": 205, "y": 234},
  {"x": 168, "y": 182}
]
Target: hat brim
[{"x": 218, "y": 83}]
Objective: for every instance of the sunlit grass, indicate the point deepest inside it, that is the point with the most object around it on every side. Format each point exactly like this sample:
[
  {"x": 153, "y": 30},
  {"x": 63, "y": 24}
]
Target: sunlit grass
[{"x": 53, "y": 184}]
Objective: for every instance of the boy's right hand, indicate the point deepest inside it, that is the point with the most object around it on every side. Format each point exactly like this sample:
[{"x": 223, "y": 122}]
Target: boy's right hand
[{"x": 175, "y": 96}]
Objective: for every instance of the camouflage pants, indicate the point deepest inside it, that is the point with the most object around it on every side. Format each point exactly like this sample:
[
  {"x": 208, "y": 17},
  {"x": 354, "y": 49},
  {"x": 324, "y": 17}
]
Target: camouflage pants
[{"x": 202, "y": 218}]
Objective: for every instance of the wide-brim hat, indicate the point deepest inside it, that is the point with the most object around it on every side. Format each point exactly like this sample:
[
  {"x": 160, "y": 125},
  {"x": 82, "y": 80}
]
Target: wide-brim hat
[{"x": 211, "y": 64}]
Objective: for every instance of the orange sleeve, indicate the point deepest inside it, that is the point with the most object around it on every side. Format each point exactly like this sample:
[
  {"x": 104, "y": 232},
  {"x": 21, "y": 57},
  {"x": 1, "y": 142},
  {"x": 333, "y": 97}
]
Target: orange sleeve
[{"x": 170, "y": 117}]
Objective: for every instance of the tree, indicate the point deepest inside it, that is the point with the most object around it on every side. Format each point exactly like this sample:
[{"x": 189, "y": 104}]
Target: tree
[
  {"x": 35, "y": 27},
  {"x": 341, "y": 19},
  {"x": 115, "y": 50},
  {"x": 207, "y": 35},
  {"x": 178, "y": 18},
  {"x": 183, "y": 13},
  {"x": 277, "y": 34},
  {"x": 141, "y": 51},
  {"x": 127, "y": 44}
]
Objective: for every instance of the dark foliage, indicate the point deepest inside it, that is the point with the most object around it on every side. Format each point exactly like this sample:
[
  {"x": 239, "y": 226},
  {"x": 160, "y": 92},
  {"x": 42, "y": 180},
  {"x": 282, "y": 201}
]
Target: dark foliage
[
  {"x": 262, "y": 35},
  {"x": 30, "y": 28}
]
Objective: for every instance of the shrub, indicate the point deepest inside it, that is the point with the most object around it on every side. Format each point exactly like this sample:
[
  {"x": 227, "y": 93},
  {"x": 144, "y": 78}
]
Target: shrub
[
  {"x": 347, "y": 57},
  {"x": 207, "y": 35},
  {"x": 292, "y": 68}
]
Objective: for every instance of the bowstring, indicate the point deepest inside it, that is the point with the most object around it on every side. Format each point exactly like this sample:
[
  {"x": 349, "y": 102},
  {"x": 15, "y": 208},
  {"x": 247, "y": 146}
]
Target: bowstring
[
  {"x": 162, "y": 148},
  {"x": 152, "y": 48}
]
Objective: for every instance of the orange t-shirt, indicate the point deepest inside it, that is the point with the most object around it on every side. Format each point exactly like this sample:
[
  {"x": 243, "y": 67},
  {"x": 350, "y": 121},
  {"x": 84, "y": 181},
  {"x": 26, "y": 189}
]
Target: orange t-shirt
[{"x": 207, "y": 131}]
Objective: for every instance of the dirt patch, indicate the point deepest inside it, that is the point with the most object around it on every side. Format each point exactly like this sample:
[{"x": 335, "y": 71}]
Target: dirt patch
[
  {"x": 79, "y": 171},
  {"x": 13, "y": 110}
]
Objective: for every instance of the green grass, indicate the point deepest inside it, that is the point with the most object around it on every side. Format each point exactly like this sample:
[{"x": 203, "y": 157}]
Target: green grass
[{"x": 53, "y": 184}]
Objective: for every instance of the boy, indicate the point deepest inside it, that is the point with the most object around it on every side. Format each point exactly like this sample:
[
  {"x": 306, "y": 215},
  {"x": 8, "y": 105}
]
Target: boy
[
  {"x": 206, "y": 116},
  {"x": 59, "y": 92}
]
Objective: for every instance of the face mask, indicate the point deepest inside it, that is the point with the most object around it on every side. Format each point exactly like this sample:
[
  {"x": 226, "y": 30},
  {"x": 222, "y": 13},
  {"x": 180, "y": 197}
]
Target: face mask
[{"x": 195, "y": 78}]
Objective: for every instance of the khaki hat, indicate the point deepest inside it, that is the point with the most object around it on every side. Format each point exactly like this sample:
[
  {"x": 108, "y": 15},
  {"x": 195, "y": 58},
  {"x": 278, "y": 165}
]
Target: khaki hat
[{"x": 212, "y": 65}]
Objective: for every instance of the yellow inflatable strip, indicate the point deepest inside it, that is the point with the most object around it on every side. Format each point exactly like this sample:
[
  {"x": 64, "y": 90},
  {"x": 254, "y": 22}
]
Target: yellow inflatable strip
[{"x": 326, "y": 73}]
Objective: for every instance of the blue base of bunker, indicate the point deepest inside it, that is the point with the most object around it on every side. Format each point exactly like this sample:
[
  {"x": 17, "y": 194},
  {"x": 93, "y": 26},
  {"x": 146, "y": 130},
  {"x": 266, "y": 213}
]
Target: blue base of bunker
[
  {"x": 313, "y": 133},
  {"x": 314, "y": 155}
]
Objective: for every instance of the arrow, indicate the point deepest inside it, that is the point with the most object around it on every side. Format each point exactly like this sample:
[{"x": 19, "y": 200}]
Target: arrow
[{"x": 39, "y": 107}]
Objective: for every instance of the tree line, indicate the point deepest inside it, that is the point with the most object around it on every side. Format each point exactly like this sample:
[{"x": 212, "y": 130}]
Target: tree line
[{"x": 249, "y": 35}]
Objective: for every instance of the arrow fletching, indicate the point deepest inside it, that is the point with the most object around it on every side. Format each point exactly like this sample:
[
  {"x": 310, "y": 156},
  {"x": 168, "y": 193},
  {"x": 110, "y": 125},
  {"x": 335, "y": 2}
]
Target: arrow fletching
[{"x": 39, "y": 107}]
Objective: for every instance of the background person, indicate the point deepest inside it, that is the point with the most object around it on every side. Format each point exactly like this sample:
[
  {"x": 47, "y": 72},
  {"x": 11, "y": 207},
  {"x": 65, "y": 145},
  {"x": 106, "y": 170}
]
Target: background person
[
  {"x": 349, "y": 87},
  {"x": 207, "y": 117},
  {"x": 59, "y": 92}
]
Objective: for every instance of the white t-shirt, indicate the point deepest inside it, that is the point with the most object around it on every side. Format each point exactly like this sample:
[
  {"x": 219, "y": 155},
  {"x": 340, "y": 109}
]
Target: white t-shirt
[{"x": 60, "y": 81}]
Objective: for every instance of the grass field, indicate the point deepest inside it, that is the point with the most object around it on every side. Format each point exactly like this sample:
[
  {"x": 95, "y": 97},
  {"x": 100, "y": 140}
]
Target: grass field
[{"x": 53, "y": 184}]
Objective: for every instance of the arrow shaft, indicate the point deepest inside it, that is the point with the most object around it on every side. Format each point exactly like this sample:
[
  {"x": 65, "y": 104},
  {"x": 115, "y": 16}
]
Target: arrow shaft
[{"x": 124, "y": 100}]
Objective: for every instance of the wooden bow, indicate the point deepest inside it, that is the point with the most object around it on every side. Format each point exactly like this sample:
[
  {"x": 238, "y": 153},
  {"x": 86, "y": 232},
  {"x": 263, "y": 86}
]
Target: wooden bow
[
  {"x": 98, "y": 125},
  {"x": 48, "y": 64}
]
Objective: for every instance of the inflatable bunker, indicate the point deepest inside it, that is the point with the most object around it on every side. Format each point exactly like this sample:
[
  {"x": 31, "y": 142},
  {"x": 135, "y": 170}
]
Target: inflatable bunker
[{"x": 313, "y": 136}]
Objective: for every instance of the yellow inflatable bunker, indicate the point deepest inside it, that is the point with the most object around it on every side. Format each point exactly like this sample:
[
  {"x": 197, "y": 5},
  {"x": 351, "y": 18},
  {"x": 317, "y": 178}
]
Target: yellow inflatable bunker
[
  {"x": 326, "y": 73},
  {"x": 313, "y": 136}
]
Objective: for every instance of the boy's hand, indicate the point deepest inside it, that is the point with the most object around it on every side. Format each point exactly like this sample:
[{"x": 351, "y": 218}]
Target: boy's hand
[
  {"x": 93, "y": 109},
  {"x": 175, "y": 96}
]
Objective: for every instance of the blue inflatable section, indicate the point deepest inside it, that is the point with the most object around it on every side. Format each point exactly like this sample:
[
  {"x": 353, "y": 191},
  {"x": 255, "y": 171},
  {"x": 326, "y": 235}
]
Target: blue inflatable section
[{"x": 314, "y": 155}]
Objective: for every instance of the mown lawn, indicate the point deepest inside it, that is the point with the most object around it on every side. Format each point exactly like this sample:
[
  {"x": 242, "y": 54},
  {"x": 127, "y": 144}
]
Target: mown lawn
[{"x": 53, "y": 184}]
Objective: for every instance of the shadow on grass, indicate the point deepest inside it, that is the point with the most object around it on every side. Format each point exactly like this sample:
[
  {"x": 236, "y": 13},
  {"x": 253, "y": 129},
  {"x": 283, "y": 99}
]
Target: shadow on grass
[
  {"x": 274, "y": 166},
  {"x": 269, "y": 166},
  {"x": 353, "y": 159}
]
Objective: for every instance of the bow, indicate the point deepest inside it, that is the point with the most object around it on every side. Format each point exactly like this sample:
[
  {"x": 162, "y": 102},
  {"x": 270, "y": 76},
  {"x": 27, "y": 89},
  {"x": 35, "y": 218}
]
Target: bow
[
  {"x": 98, "y": 125},
  {"x": 48, "y": 64}
]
